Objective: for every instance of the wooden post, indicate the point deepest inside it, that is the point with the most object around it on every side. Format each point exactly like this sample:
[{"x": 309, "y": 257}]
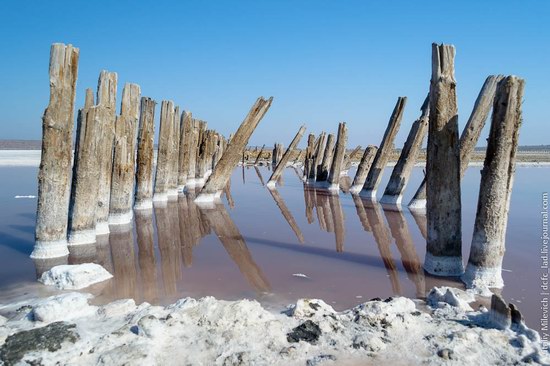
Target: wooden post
[
  {"x": 85, "y": 183},
  {"x": 309, "y": 154},
  {"x": 383, "y": 154},
  {"x": 145, "y": 155},
  {"x": 106, "y": 101},
  {"x": 318, "y": 157},
  {"x": 402, "y": 170},
  {"x": 259, "y": 156},
  {"x": 322, "y": 174},
  {"x": 55, "y": 165},
  {"x": 183, "y": 158},
  {"x": 488, "y": 243},
  {"x": 124, "y": 160},
  {"x": 163, "y": 154},
  {"x": 339, "y": 151},
  {"x": 348, "y": 159},
  {"x": 193, "y": 144},
  {"x": 219, "y": 177},
  {"x": 200, "y": 171},
  {"x": 173, "y": 160},
  {"x": 286, "y": 157},
  {"x": 444, "y": 244},
  {"x": 470, "y": 135},
  {"x": 363, "y": 169}
]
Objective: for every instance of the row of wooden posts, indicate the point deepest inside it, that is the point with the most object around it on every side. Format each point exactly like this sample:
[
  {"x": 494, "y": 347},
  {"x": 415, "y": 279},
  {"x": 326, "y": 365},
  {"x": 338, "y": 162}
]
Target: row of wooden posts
[{"x": 113, "y": 165}]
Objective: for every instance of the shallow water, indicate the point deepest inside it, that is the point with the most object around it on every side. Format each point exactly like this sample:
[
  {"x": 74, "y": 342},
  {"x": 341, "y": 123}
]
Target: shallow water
[{"x": 274, "y": 246}]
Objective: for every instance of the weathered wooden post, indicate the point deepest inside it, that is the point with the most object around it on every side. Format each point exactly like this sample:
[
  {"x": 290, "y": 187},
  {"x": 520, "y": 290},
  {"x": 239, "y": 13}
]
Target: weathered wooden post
[
  {"x": 444, "y": 244},
  {"x": 259, "y": 156},
  {"x": 173, "y": 175},
  {"x": 200, "y": 170},
  {"x": 55, "y": 165},
  {"x": 219, "y": 177},
  {"x": 193, "y": 144},
  {"x": 363, "y": 169},
  {"x": 402, "y": 170},
  {"x": 124, "y": 160},
  {"x": 85, "y": 183},
  {"x": 322, "y": 174},
  {"x": 309, "y": 154},
  {"x": 145, "y": 155},
  {"x": 383, "y": 153},
  {"x": 164, "y": 154},
  {"x": 318, "y": 157},
  {"x": 470, "y": 135},
  {"x": 106, "y": 103},
  {"x": 286, "y": 157},
  {"x": 484, "y": 267},
  {"x": 183, "y": 156},
  {"x": 337, "y": 160}
]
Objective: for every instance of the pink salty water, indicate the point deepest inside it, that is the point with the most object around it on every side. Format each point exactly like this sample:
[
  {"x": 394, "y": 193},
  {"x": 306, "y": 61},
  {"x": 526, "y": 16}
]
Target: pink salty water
[{"x": 275, "y": 247}]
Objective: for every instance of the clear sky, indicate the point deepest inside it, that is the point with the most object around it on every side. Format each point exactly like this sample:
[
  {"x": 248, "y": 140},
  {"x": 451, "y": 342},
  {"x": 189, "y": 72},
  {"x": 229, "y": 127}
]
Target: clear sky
[{"x": 322, "y": 61}]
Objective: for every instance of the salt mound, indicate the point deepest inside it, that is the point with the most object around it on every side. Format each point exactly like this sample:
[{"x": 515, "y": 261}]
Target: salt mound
[{"x": 74, "y": 277}]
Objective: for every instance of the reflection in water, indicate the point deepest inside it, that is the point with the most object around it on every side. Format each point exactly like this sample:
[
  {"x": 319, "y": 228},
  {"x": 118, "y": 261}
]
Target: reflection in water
[
  {"x": 124, "y": 261},
  {"x": 227, "y": 193},
  {"x": 79, "y": 254},
  {"x": 234, "y": 244},
  {"x": 329, "y": 213},
  {"x": 286, "y": 214},
  {"x": 409, "y": 258},
  {"x": 168, "y": 232},
  {"x": 420, "y": 219},
  {"x": 146, "y": 254},
  {"x": 259, "y": 175}
]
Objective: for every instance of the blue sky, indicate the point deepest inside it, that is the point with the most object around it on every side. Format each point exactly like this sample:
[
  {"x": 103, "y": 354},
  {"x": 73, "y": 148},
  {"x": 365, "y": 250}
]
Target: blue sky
[{"x": 322, "y": 61}]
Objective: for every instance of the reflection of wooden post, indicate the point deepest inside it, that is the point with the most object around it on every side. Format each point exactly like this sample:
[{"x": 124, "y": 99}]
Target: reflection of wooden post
[
  {"x": 124, "y": 261},
  {"x": 286, "y": 158},
  {"x": 230, "y": 158},
  {"x": 338, "y": 219},
  {"x": 382, "y": 238},
  {"x": 322, "y": 174},
  {"x": 167, "y": 220},
  {"x": 228, "y": 196},
  {"x": 287, "y": 214},
  {"x": 235, "y": 245},
  {"x": 259, "y": 156},
  {"x": 363, "y": 169},
  {"x": 383, "y": 153},
  {"x": 409, "y": 257},
  {"x": 338, "y": 159},
  {"x": 184, "y": 144},
  {"x": 55, "y": 165},
  {"x": 470, "y": 135},
  {"x": 361, "y": 212},
  {"x": 444, "y": 244},
  {"x": 420, "y": 220},
  {"x": 309, "y": 199},
  {"x": 146, "y": 254},
  {"x": 164, "y": 154},
  {"x": 124, "y": 157},
  {"x": 488, "y": 242},
  {"x": 106, "y": 104},
  {"x": 145, "y": 155},
  {"x": 259, "y": 175},
  {"x": 85, "y": 182},
  {"x": 402, "y": 170}
]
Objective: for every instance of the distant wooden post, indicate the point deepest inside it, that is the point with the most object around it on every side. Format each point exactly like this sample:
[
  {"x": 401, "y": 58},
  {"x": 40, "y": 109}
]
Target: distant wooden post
[
  {"x": 164, "y": 154},
  {"x": 145, "y": 155},
  {"x": 286, "y": 157},
  {"x": 444, "y": 244},
  {"x": 124, "y": 160},
  {"x": 363, "y": 169},
  {"x": 318, "y": 157},
  {"x": 339, "y": 151},
  {"x": 85, "y": 176},
  {"x": 322, "y": 174},
  {"x": 488, "y": 243},
  {"x": 183, "y": 158},
  {"x": 383, "y": 154},
  {"x": 55, "y": 165},
  {"x": 173, "y": 160},
  {"x": 402, "y": 170},
  {"x": 348, "y": 159},
  {"x": 470, "y": 135},
  {"x": 200, "y": 170},
  {"x": 193, "y": 144},
  {"x": 106, "y": 103},
  {"x": 309, "y": 154},
  {"x": 259, "y": 156},
  {"x": 219, "y": 177}
]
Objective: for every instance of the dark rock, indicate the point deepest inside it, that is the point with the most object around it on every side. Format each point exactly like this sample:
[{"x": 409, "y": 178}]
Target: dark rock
[
  {"x": 517, "y": 318},
  {"x": 318, "y": 359},
  {"x": 314, "y": 306},
  {"x": 375, "y": 299},
  {"x": 50, "y": 337},
  {"x": 307, "y": 331},
  {"x": 445, "y": 353}
]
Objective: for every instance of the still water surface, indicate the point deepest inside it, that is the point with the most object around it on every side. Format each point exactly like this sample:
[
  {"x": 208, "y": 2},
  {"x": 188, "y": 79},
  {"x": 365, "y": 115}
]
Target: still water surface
[{"x": 274, "y": 246}]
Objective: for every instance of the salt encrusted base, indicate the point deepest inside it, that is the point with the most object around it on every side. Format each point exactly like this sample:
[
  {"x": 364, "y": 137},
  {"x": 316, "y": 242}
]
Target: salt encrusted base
[
  {"x": 344, "y": 172},
  {"x": 478, "y": 277},
  {"x": 50, "y": 249},
  {"x": 102, "y": 228},
  {"x": 121, "y": 219},
  {"x": 443, "y": 266},
  {"x": 418, "y": 205},
  {"x": 368, "y": 194},
  {"x": 159, "y": 197},
  {"x": 122, "y": 228},
  {"x": 208, "y": 200},
  {"x": 356, "y": 189},
  {"x": 172, "y": 192},
  {"x": 271, "y": 184},
  {"x": 81, "y": 237},
  {"x": 391, "y": 200},
  {"x": 333, "y": 187},
  {"x": 143, "y": 205}
]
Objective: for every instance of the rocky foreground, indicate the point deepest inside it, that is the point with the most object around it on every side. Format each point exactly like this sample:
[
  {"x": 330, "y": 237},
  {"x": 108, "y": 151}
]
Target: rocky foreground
[{"x": 66, "y": 329}]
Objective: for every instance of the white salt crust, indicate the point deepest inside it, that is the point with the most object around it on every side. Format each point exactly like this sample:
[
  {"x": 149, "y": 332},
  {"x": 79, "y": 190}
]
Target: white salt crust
[
  {"x": 121, "y": 219},
  {"x": 102, "y": 228},
  {"x": 478, "y": 277},
  {"x": 81, "y": 237},
  {"x": 443, "y": 266},
  {"x": 391, "y": 200},
  {"x": 50, "y": 249},
  {"x": 143, "y": 205},
  {"x": 418, "y": 205},
  {"x": 159, "y": 197},
  {"x": 368, "y": 194}
]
